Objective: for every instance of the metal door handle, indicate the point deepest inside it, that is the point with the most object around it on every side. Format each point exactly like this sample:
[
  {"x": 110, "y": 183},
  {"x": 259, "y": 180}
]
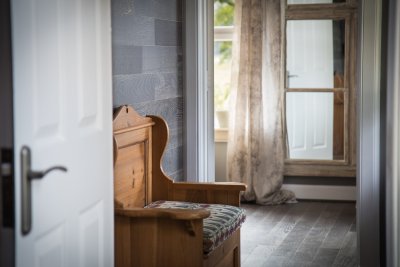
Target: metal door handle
[
  {"x": 27, "y": 175},
  {"x": 40, "y": 174}
]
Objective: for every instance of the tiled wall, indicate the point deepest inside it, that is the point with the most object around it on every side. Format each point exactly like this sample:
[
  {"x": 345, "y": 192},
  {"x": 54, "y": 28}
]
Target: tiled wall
[{"x": 147, "y": 66}]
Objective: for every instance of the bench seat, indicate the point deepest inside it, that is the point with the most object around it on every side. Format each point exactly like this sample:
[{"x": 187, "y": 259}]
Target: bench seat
[{"x": 223, "y": 221}]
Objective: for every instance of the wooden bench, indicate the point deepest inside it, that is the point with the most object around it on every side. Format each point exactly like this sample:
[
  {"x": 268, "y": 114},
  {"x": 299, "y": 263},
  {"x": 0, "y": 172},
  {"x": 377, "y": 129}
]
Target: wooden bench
[{"x": 149, "y": 237}]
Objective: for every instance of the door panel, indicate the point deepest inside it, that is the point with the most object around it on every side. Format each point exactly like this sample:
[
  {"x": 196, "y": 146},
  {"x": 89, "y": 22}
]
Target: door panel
[
  {"x": 91, "y": 243},
  {"x": 310, "y": 125},
  {"x": 49, "y": 249},
  {"x": 310, "y": 65},
  {"x": 310, "y": 53},
  {"x": 63, "y": 112},
  {"x": 296, "y": 122},
  {"x": 89, "y": 68}
]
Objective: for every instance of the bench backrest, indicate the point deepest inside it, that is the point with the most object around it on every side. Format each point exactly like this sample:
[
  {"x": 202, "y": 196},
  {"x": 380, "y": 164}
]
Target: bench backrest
[
  {"x": 132, "y": 158},
  {"x": 139, "y": 146}
]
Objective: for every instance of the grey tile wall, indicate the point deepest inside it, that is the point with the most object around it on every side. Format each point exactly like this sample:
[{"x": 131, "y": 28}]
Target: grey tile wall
[{"x": 147, "y": 66}]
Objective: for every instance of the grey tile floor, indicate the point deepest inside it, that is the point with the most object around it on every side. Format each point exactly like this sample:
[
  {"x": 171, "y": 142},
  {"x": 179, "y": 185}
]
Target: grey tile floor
[{"x": 302, "y": 234}]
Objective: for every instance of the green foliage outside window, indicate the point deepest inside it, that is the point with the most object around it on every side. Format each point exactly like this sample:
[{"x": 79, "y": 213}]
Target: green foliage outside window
[
  {"x": 223, "y": 16},
  {"x": 223, "y": 12}
]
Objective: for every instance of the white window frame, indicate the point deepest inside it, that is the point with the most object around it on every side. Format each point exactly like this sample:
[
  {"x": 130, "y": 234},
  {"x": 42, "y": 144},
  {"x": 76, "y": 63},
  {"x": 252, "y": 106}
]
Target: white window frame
[
  {"x": 199, "y": 155},
  {"x": 223, "y": 33}
]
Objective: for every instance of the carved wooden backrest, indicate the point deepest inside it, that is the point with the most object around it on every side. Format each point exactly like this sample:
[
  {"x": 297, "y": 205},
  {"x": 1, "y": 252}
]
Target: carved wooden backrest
[{"x": 132, "y": 158}]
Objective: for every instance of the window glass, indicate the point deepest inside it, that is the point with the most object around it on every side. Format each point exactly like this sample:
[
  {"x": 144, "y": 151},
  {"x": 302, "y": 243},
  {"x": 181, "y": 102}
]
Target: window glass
[
  {"x": 223, "y": 12},
  {"x": 222, "y": 73},
  {"x": 315, "y": 53},
  {"x": 223, "y": 34},
  {"x": 315, "y": 127}
]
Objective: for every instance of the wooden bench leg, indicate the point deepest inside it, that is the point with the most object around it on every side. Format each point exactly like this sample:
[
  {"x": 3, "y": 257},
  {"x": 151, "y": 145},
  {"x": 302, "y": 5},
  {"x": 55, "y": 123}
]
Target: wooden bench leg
[{"x": 227, "y": 254}]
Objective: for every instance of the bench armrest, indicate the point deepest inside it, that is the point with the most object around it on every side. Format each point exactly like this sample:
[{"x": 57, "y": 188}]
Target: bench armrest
[
  {"x": 227, "y": 193},
  {"x": 226, "y": 186},
  {"x": 175, "y": 214}
]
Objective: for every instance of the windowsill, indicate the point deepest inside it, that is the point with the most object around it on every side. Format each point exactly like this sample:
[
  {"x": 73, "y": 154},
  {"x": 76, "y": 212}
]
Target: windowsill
[{"x": 221, "y": 135}]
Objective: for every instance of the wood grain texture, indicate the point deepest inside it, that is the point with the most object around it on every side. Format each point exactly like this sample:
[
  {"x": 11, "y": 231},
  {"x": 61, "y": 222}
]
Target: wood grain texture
[
  {"x": 320, "y": 11},
  {"x": 345, "y": 114},
  {"x": 126, "y": 117},
  {"x": 338, "y": 119},
  {"x": 165, "y": 242},
  {"x": 324, "y": 257},
  {"x": 300, "y": 169},
  {"x": 294, "y": 235},
  {"x": 161, "y": 237},
  {"x": 300, "y": 230},
  {"x": 309, "y": 247},
  {"x": 177, "y": 214},
  {"x": 339, "y": 230},
  {"x": 217, "y": 193},
  {"x": 346, "y": 255},
  {"x": 132, "y": 170}
]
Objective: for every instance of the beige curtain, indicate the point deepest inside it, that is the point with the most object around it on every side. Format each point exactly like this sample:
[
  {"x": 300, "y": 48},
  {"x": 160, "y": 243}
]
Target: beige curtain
[{"x": 255, "y": 145}]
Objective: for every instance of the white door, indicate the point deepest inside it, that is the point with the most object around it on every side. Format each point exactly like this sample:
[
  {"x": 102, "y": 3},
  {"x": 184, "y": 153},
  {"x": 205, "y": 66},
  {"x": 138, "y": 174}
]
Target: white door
[
  {"x": 63, "y": 113},
  {"x": 310, "y": 65}
]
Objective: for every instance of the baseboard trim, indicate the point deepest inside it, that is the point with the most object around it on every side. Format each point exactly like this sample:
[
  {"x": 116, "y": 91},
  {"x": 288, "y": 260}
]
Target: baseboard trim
[{"x": 323, "y": 192}]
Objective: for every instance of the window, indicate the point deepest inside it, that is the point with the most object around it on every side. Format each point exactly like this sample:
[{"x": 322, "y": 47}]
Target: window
[
  {"x": 223, "y": 34},
  {"x": 320, "y": 97}
]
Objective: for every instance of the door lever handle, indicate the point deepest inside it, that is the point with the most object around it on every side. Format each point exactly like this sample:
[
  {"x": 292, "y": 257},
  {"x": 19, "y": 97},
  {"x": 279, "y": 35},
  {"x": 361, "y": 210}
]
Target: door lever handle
[
  {"x": 27, "y": 175},
  {"x": 40, "y": 174}
]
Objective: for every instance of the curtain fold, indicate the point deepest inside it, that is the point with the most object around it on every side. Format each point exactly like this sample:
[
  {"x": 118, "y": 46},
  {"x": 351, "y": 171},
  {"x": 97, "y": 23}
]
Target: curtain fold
[{"x": 256, "y": 145}]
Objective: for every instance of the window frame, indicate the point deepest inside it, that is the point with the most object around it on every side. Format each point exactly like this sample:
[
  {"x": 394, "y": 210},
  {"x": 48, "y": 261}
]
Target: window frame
[
  {"x": 345, "y": 167},
  {"x": 223, "y": 33},
  {"x": 199, "y": 155}
]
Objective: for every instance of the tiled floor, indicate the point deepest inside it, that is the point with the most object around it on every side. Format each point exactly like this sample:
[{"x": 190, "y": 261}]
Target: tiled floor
[{"x": 302, "y": 234}]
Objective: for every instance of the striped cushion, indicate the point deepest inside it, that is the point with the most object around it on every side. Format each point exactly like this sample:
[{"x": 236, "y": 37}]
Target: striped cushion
[{"x": 223, "y": 221}]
